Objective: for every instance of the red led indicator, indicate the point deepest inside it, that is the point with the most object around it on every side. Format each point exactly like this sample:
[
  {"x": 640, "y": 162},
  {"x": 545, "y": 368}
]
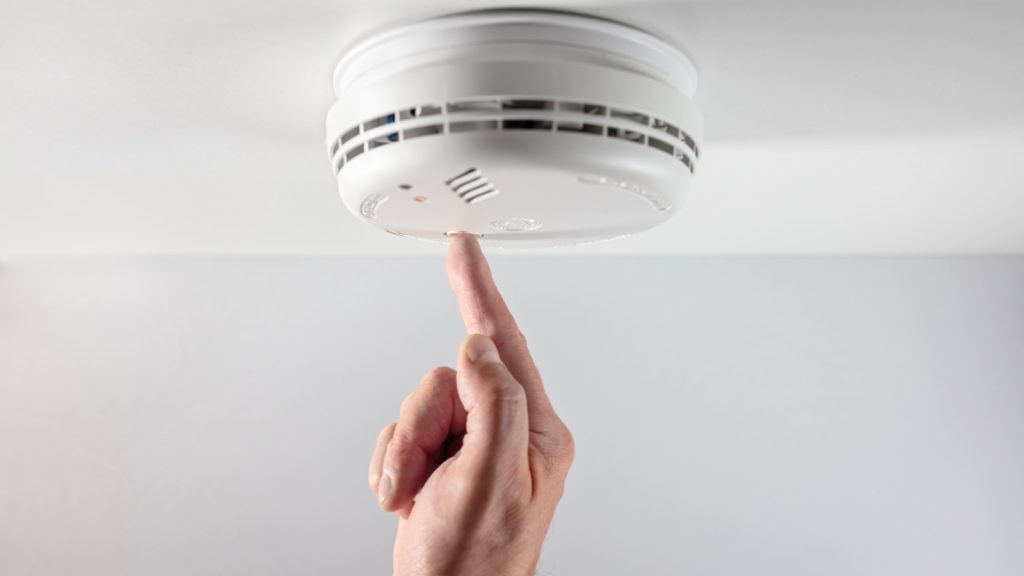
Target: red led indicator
[{"x": 421, "y": 199}]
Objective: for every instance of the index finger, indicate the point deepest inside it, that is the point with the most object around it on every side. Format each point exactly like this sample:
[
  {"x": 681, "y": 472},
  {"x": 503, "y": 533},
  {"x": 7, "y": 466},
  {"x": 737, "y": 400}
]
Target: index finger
[{"x": 484, "y": 312}]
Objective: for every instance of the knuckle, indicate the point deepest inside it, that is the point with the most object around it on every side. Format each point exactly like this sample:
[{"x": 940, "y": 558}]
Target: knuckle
[
  {"x": 567, "y": 444},
  {"x": 399, "y": 447},
  {"x": 501, "y": 392},
  {"x": 407, "y": 404},
  {"x": 560, "y": 451},
  {"x": 503, "y": 402},
  {"x": 434, "y": 381},
  {"x": 437, "y": 375},
  {"x": 496, "y": 376},
  {"x": 385, "y": 434}
]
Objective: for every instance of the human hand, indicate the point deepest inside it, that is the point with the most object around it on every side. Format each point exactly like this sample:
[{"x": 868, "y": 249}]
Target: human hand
[{"x": 477, "y": 461}]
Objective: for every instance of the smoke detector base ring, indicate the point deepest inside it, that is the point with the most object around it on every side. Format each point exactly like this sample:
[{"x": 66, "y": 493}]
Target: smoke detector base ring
[{"x": 527, "y": 128}]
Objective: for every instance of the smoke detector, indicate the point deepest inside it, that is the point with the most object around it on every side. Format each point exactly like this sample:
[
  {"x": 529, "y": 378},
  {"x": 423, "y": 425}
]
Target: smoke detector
[{"x": 525, "y": 128}]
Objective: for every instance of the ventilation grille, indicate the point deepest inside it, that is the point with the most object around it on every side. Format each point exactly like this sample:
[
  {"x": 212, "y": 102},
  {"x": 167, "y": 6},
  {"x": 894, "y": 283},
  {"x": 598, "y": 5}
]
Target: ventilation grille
[
  {"x": 513, "y": 114},
  {"x": 472, "y": 186}
]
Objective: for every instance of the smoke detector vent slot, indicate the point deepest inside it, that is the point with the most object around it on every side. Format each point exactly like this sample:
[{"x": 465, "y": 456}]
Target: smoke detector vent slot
[
  {"x": 527, "y": 104},
  {"x": 470, "y": 173},
  {"x": 684, "y": 159},
  {"x": 691, "y": 145},
  {"x": 582, "y": 108},
  {"x": 470, "y": 190},
  {"x": 353, "y": 153},
  {"x": 581, "y": 127},
  {"x": 472, "y": 186},
  {"x": 474, "y": 106},
  {"x": 630, "y": 135},
  {"x": 630, "y": 115},
  {"x": 419, "y": 112},
  {"x": 485, "y": 195},
  {"x": 474, "y": 125},
  {"x": 667, "y": 128},
  {"x": 352, "y": 133},
  {"x": 422, "y": 131},
  {"x": 371, "y": 124},
  {"x": 518, "y": 124},
  {"x": 660, "y": 145}
]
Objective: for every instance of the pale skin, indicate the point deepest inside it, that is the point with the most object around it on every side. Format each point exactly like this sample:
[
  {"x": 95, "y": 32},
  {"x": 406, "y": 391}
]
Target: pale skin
[{"x": 476, "y": 463}]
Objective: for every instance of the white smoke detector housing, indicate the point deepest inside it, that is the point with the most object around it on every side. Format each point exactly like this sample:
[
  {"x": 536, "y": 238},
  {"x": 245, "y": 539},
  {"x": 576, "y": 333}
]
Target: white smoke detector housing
[{"x": 526, "y": 128}]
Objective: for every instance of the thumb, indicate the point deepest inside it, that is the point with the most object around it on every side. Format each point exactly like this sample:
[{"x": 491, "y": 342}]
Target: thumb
[{"x": 497, "y": 426}]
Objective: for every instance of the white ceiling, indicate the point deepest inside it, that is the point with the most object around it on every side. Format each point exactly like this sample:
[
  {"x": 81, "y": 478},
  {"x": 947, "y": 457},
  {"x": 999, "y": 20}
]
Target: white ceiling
[{"x": 196, "y": 127}]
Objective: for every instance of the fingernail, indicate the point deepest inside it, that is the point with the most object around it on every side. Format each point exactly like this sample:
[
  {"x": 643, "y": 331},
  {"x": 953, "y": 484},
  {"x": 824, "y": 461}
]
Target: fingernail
[
  {"x": 481, "y": 349},
  {"x": 384, "y": 489}
]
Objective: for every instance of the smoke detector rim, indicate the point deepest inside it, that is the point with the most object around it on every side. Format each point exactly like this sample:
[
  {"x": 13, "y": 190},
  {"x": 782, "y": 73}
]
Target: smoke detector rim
[{"x": 684, "y": 78}]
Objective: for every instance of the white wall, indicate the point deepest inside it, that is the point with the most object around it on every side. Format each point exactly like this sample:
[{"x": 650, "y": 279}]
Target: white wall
[{"x": 733, "y": 416}]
